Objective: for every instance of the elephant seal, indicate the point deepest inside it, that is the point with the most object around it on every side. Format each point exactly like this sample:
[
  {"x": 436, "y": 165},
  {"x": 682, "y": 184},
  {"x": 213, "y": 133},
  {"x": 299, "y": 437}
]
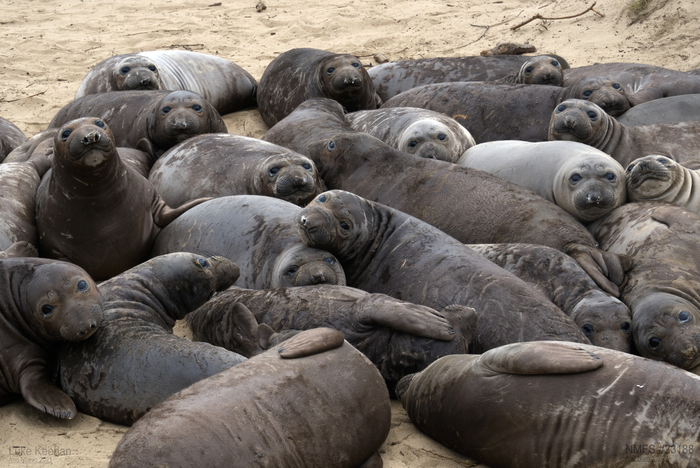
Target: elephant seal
[
  {"x": 470, "y": 205},
  {"x": 422, "y": 132},
  {"x": 256, "y": 232},
  {"x": 161, "y": 119},
  {"x": 662, "y": 288},
  {"x": 23, "y": 152},
  {"x": 665, "y": 110},
  {"x": 43, "y": 303},
  {"x": 383, "y": 250},
  {"x": 19, "y": 249},
  {"x": 584, "y": 181},
  {"x": 18, "y": 185},
  {"x": 522, "y": 404},
  {"x": 396, "y": 77},
  {"x": 134, "y": 361},
  {"x": 658, "y": 178},
  {"x": 582, "y": 121},
  {"x": 605, "y": 320},
  {"x": 508, "y": 112},
  {"x": 300, "y": 74},
  {"x": 398, "y": 337},
  {"x": 225, "y": 85},
  {"x": 327, "y": 407},
  {"x": 218, "y": 165},
  {"x": 94, "y": 210},
  {"x": 10, "y": 138}
]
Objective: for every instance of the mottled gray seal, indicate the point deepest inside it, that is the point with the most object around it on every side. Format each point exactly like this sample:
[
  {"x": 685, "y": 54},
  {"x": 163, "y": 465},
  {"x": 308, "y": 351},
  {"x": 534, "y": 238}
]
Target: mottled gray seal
[
  {"x": 556, "y": 404},
  {"x": 300, "y": 74},
  {"x": 314, "y": 400},
  {"x": 18, "y": 184},
  {"x": 584, "y": 181},
  {"x": 94, "y": 210},
  {"x": 42, "y": 303},
  {"x": 256, "y": 232},
  {"x": 225, "y": 85},
  {"x": 658, "y": 178},
  {"x": 10, "y": 138},
  {"x": 422, "y": 132},
  {"x": 665, "y": 110},
  {"x": 221, "y": 164}
]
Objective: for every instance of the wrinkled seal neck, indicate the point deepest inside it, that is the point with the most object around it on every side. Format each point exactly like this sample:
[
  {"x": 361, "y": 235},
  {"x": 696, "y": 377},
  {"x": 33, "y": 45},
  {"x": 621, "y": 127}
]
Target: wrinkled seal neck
[
  {"x": 380, "y": 227},
  {"x": 85, "y": 182}
]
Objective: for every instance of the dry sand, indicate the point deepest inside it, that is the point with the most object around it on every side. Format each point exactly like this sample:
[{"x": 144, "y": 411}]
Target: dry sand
[{"x": 48, "y": 46}]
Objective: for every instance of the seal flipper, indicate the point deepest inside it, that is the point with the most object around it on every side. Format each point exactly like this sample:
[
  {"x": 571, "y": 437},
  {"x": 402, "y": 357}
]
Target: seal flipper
[
  {"x": 541, "y": 357},
  {"x": 19, "y": 249},
  {"x": 39, "y": 392},
  {"x": 605, "y": 268},
  {"x": 374, "y": 461},
  {"x": 164, "y": 215},
  {"x": 310, "y": 342}
]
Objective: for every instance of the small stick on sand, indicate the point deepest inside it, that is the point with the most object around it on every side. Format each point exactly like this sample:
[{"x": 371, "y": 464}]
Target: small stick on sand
[{"x": 538, "y": 16}]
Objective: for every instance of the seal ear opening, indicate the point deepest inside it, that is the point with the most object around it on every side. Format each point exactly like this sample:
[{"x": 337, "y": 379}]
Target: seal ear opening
[{"x": 540, "y": 357}]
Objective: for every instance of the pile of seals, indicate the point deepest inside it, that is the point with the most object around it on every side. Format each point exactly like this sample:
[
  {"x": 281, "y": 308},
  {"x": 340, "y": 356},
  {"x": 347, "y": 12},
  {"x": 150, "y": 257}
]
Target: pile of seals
[{"x": 378, "y": 242}]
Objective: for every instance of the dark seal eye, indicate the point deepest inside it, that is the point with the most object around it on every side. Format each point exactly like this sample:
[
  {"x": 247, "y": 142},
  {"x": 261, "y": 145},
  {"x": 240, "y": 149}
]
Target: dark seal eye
[
  {"x": 413, "y": 144},
  {"x": 528, "y": 70},
  {"x": 197, "y": 108},
  {"x": 625, "y": 327},
  {"x": 273, "y": 170},
  {"x": 610, "y": 176},
  {"x": 100, "y": 123},
  {"x": 203, "y": 262},
  {"x": 592, "y": 115},
  {"x": 554, "y": 63},
  {"x": 292, "y": 270},
  {"x": 630, "y": 167},
  {"x": 152, "y": 67},
  {"x": 662, "y": 160},
  {"x": 588, "y": 329},
  {"x": 575, "y": 177},
  {"x": 330, "y": 71},
  {"x": 441, "y": 136},
  {"x": 65, "y": 134},
  {"x": 322, "y": 199},
  {"x": 306, "y": 166},
  {"x": 331, "y": 145},
  {"x": 654, "y": 343},
  {"x": 82, "y": 285},
  {"x": 587, "y": 93},
  {"x": 683, "y": 316},
  {"x": 344, "y": 226},
  {"x": 124, "y": 70},
  {"x": 47, "y": 310},
  {"x": 561, "y": 108},
  {"x": 616, "y": 85},
  {"x": 329, "y": 260},
  {"x": 165, "y": 110},
  {"x": 355, "y": 64}
]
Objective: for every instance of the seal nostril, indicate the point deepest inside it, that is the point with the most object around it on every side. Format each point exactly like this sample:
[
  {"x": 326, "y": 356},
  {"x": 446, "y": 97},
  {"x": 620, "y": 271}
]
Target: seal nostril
[
  {"x": 93, "y": 325},
  {"x": 303, "y": 220}
]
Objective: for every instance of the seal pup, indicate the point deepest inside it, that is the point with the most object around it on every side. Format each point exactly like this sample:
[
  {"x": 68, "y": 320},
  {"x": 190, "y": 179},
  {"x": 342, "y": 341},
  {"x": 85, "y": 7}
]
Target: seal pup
[
  {"x": 10, "y": 138},
  {"x": 383, "y": 250},
  {"x": 313, "y": 400},
  {"x": 421, "y": 132},
  {"x": 470, "y": 205},
  {"x": 300, "y": 74},
  {"x": 585, "y": 122},
  {"x": 161, "y": 119},
  {"x": 665, "y": 110},
  {"x": 259, "y": 234},
  {"x": 658, "y": 178},
  {"x": 225, "y": 85},
  {"x": 94, "y": 210},
  {"x": 218, "y": 165},
  {"x": 134, "y": 361},
  {"x": 524, "y": 404},
  {"x": 43, "y": 303},
  {"x": 584, "y": 181},
  {"x": 662, "y": 288}
]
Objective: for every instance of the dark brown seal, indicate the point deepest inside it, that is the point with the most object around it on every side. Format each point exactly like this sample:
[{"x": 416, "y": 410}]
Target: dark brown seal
[
  {"x": 585, "y": 122},
  {"x": 383, "y": 250},
  {"x": 134, "y": 361},
  {"x": 92, "y": 209},
  {"x": 18, "y": 184},
  {"x": 508, "y": 112},
  {"x": 256, "y": 232},
  {"x": 225, "y": 85},
  {"x": 549, "y": 404},
  {"x": 663, "y": 286},
  {"x": 42, "y": 303},
  {"x": 470, "y": 205},
  {"x": 300, "y": 74},
  {"x": 329, "y": 407},
  {"x": 10, "y": 138},
  {"x": 221, "y": 164},
  {"x": 161, "y": 118}
]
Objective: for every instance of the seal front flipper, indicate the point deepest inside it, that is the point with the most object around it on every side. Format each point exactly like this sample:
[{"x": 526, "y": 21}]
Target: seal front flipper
[
  {"x": 164, "y": 215},
  {"x": 541, "y": 357},
  {"x": 39, "y": 392},
  {"x": 19, "y": 249},
  {"x": 310, "y": 342},
  {"x": 605, "y": 268}
]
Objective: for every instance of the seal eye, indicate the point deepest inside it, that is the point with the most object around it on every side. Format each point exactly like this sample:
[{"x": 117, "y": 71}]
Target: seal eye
[
  {"x": 331, "y": 145},
  {"x": 442, "y": 136},
  {"x": 273, "y": 170},
  {"x": 575, "y": 178},
  {"x": 413, "y": 144},
  {"x": 662, "y": 160},
  {"x": 355, "y": 64},
  {"x": 165, "y": 110},
  {"x": 610, "y": 176},
  {"x": 152, "y": 67},
  {"x": 197, "y": 108},
  {"x": 65, "y": 134},
  {"x": 684, "y": 317},
  {"x": 329, "y": 260},
  {"x": 625, "y": 327},
  {"x": 100, "y": 123},
  {"x": 306, "y": 166},
  {"x": 554, "y": 63},
  {"x": 654, "y": 343},
  {"x": 322, "y": 199},
  {"x": 592, "y": 115},
  {"x": 587, "y": 94},
  {"x": 561, "y": 108},
  {"x": 292, "y": 270},
  {"x": 124, "y": 70},
  {"x": 616, "y": 85},
  {"x": 528, "y": 70},
  {"x": 588, "y": 329},
  {"x": 630, "y": 167},
  {"x": 82, "y": 285},
  {"x": 330, "y": 71},
  {"x": 344, "y": 226},
  {"x": 203, "y": 262},
  {"x": 47, "y": 310}
]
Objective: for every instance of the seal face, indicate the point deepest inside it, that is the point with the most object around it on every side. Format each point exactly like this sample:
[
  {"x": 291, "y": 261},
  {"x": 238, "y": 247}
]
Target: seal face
[
  {"x": 290, "y": 177},
  {"x": 302, "y": 266},
  {"x": 543, "y": 69},
  {"x": 136, "y": 72},
  {"x": 180, "y": 115},
  {"x": 429, "y": 139},
  {"x": 653, "y": 177},
  {"x": 578, "y": 120},
  {"x": 608, "y": 94},
  {"x": 341, "y": 80}
]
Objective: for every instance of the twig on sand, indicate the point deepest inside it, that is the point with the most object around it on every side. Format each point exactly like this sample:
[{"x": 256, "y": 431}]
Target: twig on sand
[
  {"x": 538, "y": 16},
  {"x": 19, "y": 99}
]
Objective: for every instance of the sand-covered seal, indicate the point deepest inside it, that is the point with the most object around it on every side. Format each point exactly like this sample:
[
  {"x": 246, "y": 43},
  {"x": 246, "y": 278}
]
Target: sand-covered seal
[
  {"x": 584, "y": 181},
  {"x": 134, "y": 361},
  {"x": 663, "y": 286},
  {"x": 658, "y": 178},
  {"x": 222, "y": 164},
  {"x": 259, "y": 234},
  {"x": 398, "y": 337},
  {"x": 605, "y": 320},
  {"x": 555, "y": 404},
  {"x": 161, "y": 118},
  {"x": 665, "y": 110},
  {"x": 508, "y": 112},
  {"x": 42, "y": 303},
  {"x": 422, "y": 132},
  {"x": 18, "y": 184},
  {"x": 10, "y": 137},
  {"x": 313, "y": 400},
  {"x": 225, "y": 85},
  {"x": 300, "y": 74},
  {"x": 585, "y": 122},
  {"x": 94, "y": 210},
  {"x": 383, "y": 250},
  {"x": 470, "y": 205}
]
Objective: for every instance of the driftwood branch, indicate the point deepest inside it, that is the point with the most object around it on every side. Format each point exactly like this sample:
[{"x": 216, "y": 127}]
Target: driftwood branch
[
  {"x": 538, "y": 16},
  {"x": 18, "y": 99}
]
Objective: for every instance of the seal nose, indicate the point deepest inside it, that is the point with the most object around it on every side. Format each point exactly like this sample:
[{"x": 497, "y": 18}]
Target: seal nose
[
  {"x": 299, "y": 181},
  {"x": 318, "y": 278},
  {"x": 90, "y": 138},
  {"x": 354, "y": 81},
  {"x": 146, "y": 82},
  {"x": 93, "y": 325},
  {"x": 304, "y": 220},
  {"x": 180, "y": 125},
  {"x": 569, "y": 121}
]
